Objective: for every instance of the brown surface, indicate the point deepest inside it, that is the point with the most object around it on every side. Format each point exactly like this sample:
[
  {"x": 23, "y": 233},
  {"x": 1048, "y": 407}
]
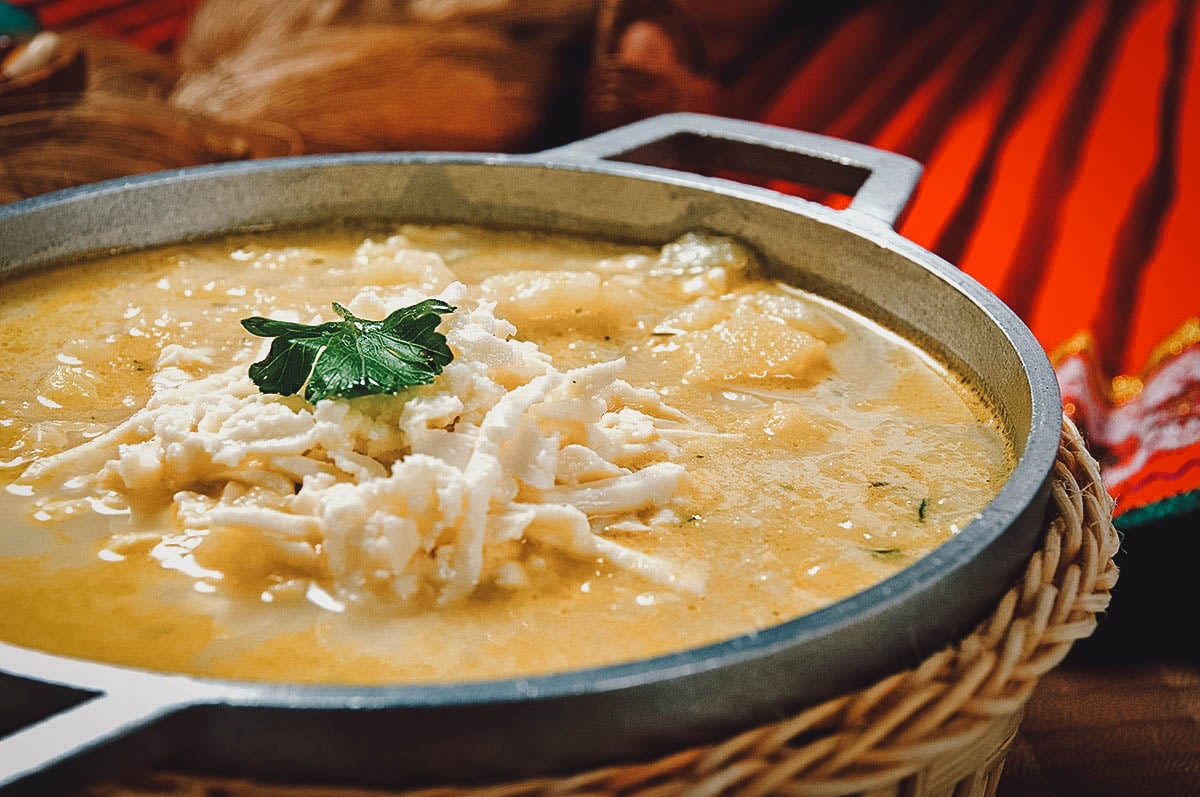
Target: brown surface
[
  {"x": 1131, "y": 729},
  {"x": 1121, "y": 717}
]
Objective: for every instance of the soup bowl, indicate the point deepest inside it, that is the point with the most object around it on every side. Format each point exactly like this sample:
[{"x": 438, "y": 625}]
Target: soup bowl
[{"x": 71, "y": 720}]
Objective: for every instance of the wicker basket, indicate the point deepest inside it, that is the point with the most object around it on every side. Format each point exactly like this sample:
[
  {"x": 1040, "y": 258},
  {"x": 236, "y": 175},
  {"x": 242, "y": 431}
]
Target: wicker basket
[{"x": 940, "y": 729}]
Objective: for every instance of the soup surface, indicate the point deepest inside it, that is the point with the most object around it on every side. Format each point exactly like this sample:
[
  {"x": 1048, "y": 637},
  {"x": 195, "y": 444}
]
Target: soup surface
[{"x": 633, "y": 451}]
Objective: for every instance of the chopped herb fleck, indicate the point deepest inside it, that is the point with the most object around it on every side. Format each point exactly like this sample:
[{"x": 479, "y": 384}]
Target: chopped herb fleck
[{"x": 921, "y": 510}]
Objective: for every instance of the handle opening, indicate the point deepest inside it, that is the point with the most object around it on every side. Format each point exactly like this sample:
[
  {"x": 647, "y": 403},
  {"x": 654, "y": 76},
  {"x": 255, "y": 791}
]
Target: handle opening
[
  {"x": 24, "y": 701},
  {"x": 794, "y": 173},
  {"x": 101, "y": 734}
]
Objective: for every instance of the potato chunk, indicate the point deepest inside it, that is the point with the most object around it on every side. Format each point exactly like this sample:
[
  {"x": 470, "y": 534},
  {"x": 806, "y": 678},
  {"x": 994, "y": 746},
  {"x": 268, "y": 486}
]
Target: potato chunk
[
  {"x": 751, "y": 345},
  {"x": 580, "y": 299}
]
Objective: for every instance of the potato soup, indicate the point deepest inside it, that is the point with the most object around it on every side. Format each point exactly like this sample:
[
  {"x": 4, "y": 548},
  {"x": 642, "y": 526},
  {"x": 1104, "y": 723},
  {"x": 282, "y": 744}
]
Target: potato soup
[{"x": 628, "y": 451}]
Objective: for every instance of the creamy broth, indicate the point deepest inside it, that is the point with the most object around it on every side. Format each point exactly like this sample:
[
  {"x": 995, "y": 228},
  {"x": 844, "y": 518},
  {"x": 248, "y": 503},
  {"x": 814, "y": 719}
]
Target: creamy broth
[{"x": 822, "y": 469}]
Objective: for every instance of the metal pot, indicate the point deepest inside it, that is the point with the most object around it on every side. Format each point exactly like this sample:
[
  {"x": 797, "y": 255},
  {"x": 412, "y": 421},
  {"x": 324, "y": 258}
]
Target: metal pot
[{"x": 612, "y": 186}]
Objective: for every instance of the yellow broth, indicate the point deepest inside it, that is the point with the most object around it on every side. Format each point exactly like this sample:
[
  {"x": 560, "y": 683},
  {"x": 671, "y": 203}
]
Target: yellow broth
[{"x": 825, "y": 483}]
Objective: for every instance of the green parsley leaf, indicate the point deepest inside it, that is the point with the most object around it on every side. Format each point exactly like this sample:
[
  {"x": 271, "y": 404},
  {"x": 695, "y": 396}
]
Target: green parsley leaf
[{"x": 354, "y": 356}]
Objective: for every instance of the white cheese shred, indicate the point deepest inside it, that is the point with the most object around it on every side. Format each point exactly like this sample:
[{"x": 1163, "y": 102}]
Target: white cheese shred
[{"x": 433, "y": 492}]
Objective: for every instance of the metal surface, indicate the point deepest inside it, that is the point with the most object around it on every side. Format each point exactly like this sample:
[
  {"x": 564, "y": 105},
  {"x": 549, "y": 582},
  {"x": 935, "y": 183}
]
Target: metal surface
[{"x": 487, "y": 730}]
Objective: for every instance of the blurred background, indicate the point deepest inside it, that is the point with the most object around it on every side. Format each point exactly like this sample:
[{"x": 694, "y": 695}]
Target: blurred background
[{"x": 1057, "y": 173}]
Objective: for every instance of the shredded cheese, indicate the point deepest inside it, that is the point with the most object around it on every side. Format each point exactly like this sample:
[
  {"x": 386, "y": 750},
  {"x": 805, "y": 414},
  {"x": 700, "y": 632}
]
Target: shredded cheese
[{"x": 395, "y": 496}]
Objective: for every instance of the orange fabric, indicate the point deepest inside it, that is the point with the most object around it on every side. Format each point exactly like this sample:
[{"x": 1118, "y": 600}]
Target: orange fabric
[
  {"x": 1118, "y": 152},
  {"x": 1169, "y": 286},
  {"x": 994, "y": 244}
]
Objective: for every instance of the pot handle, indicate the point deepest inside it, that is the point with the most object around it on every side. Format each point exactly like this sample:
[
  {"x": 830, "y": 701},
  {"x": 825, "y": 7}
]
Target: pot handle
[
  {"x": 879, "y": 182},
  {"x": 65, "y": 749}
]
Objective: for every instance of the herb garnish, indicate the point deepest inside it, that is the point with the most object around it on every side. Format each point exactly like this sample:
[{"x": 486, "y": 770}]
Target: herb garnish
[
  {"x": 352, "y": 357},
  {"x": 921, "y": 509}
]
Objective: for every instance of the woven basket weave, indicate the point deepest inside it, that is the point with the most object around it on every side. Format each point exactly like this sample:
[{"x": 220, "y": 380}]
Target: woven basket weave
[{"x": 942, "y": 728}]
